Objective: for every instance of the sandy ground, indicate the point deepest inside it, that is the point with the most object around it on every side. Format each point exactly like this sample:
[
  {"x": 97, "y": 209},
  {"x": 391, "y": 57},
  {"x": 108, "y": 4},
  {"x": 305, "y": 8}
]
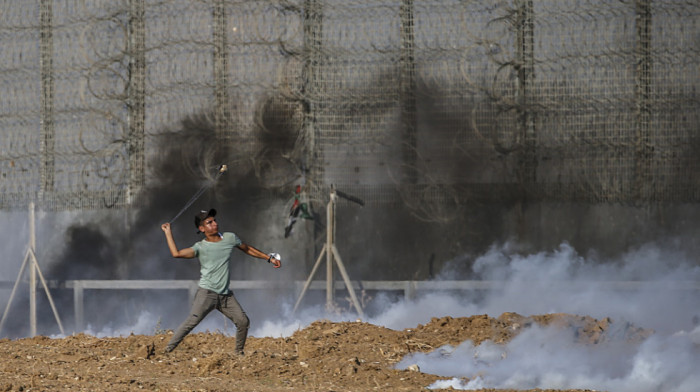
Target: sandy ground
[{"x": 325, "y": 356}]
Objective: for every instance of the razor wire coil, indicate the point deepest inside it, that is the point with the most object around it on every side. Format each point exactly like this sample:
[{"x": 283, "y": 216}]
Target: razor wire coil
[{"x": 425, "y": 103}]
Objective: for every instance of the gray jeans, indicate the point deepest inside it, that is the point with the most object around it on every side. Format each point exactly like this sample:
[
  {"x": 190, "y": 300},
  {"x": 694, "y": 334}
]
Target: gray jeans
[{"x": 204, "y": 302}]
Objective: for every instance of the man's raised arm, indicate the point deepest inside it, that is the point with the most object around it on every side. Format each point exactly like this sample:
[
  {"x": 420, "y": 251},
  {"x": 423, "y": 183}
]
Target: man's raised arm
[{"x": 187, "y": 253}]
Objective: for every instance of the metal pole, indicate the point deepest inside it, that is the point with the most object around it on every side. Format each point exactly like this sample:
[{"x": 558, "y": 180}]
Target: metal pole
[
  {"x": 136, "y": 97},
  {"x": 48, "y": 293},
  {"x": 220, "y": 64},
  {"x": 309, "y": 279},
  {"x": 408, "y": 91},
  {"x": 48, "y": 137},
  {"x": 331, "y": 254},
  {"x": 348, "y": 284},
  {"x": 330, "y": 228},
  {"x": 14, "y": 290},
  {"x": 643, "y": 188},
  {"x": 78, "y": 305},
  {"x": 32, "y": 274},
  {"x": 312, "y": 89}
]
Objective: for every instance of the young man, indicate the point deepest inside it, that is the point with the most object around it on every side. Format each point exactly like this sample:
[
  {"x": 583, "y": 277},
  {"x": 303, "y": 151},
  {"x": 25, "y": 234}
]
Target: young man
[{"x": 214, "y": 253}]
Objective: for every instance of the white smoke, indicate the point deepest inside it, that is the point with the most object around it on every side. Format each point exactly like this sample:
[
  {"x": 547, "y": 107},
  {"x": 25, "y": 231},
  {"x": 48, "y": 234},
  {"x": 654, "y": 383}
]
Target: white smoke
[
  {"x": 663, "y": 298},
  {"x": 146, "y": 324},
  {"x": 563, "y": 281},
  {"x": 548, "y": 358}
]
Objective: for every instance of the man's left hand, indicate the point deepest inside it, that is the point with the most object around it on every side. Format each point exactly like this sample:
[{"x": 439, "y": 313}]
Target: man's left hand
[{"x": 275, "y": 259}]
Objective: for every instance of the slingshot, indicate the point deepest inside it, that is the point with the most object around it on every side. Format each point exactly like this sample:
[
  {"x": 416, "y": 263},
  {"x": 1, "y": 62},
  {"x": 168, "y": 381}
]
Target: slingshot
[{"x": 222, "y": 170}]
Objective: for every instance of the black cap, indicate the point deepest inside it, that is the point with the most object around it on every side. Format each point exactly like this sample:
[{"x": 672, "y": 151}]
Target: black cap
[{"x": 202, "y": 216}]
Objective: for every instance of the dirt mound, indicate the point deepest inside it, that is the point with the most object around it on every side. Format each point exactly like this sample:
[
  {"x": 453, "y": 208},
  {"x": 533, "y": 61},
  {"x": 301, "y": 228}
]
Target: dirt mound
[{"x": 327, "y": 356}]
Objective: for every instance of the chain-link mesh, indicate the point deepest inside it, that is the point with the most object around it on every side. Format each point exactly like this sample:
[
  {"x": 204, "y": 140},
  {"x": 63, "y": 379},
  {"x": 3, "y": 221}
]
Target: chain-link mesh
[{"x": 427, "y": 103}]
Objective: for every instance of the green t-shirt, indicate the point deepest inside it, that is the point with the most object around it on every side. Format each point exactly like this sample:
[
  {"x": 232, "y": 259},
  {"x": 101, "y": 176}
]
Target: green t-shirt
[{"x": 214, "y": 261}]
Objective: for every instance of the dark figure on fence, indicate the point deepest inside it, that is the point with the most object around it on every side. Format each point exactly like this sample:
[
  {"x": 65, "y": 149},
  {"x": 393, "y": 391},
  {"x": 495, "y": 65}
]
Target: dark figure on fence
[
  {"x": 300, "y": 209},
  {"x": 214, "y": 253}
]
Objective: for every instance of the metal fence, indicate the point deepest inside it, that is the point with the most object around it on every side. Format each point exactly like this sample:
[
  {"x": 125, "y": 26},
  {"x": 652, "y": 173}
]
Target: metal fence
[
  {"x": 395, "y": 101},
  {"x": 409, "y": 289}
]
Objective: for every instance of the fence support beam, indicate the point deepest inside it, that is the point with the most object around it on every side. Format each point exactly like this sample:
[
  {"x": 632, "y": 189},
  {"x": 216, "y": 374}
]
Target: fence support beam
[
  {"x": 409, "y": 288},
  {"x": 78, "y": 305},
  {"x": 136, "y": 100},
  {"x": 643, "y": 148},
  {"x": 222, "y": 113},
  {"x": 48, "y": 142},
  {"x": 408, "y": 92}
]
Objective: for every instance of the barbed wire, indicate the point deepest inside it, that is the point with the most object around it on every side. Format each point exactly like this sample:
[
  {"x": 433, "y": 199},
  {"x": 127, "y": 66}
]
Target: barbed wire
[{"x": 339, "y": 81}]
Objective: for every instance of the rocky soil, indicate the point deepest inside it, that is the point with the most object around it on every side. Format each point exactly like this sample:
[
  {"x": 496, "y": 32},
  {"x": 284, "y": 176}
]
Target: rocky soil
[{"x": 324, "y": 356}]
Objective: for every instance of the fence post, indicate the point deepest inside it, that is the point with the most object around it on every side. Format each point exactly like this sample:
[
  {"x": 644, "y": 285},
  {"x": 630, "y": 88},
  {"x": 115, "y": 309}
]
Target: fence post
[
  {"x": 221, "y": 115},
  {"x": 78, "y": 305},
  {"x": 136, "y": 92},
  {"x": 47, "y": 140},
  {"x": 311, "y": 88},
  {"x": 643, "y": 149},
  {"x": 526, "y": 170},
  {"x": 408, "y": 92},
  {"x": 32, "y": 273},
  {"x": 525, "y": 66},
  {"x": 409, "y": 290}
]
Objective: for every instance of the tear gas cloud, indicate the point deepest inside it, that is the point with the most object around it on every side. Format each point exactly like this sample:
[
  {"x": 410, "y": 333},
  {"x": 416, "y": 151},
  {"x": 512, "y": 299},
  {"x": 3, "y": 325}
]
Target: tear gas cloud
[
  {"x": 539, "y": 357},
  {"x": 560, "y": 281},
  {"x": 563, "y": 281},
  {"x": 547, "y": 358}
]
